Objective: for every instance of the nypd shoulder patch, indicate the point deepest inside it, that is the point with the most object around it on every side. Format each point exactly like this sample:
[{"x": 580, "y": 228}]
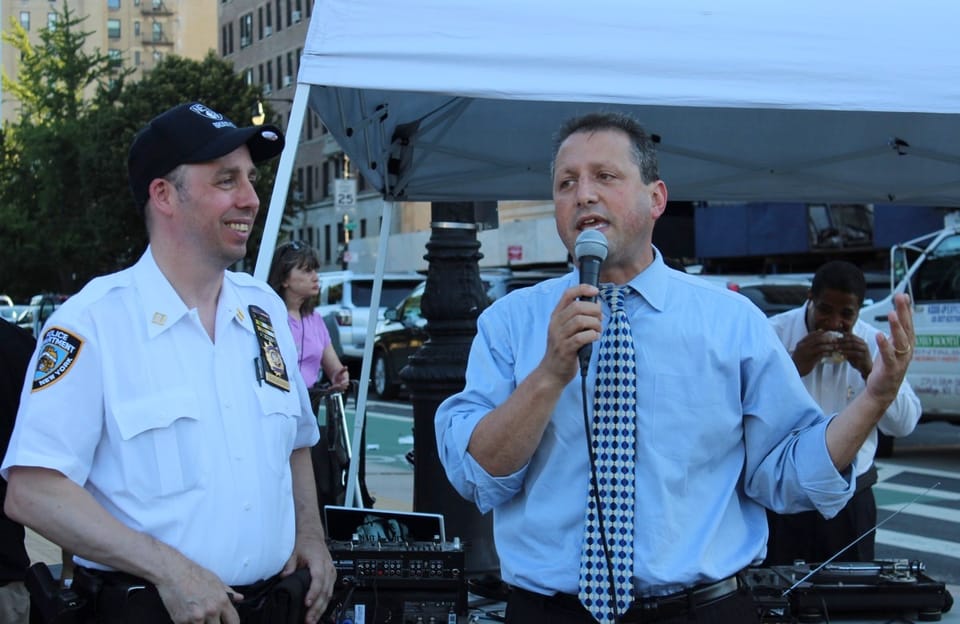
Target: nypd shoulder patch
[{"x": 59, "y": 350}]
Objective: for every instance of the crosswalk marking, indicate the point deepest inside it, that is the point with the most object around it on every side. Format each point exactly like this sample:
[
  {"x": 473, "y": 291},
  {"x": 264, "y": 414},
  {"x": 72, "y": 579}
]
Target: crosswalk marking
[
  {"x": 927, "y": 511},
  {"x": 888, "y": 471},
  {"x": 918, "y": 543},
  {"x": 937, "y": 493}
]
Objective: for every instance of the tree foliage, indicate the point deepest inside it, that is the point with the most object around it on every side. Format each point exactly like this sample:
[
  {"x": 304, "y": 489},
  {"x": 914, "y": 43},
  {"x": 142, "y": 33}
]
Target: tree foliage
[
  {"x": 50, "y": 238},
  {"x": 66, "y": 210}
]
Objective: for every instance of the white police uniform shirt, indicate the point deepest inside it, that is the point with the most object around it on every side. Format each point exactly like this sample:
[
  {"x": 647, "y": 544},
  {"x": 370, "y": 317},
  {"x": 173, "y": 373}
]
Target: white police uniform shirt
[
  {"x": 833, "y": 385},
  {"x": 172, "y": 433}
]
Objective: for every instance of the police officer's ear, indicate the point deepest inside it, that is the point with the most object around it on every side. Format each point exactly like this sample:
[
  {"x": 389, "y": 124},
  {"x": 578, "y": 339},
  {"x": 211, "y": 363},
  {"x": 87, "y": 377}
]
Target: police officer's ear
[{"x": 162, "y": 193}]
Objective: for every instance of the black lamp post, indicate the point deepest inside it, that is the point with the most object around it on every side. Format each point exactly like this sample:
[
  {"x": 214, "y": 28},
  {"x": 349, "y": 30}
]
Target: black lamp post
[{"x": 453, "y": 298}]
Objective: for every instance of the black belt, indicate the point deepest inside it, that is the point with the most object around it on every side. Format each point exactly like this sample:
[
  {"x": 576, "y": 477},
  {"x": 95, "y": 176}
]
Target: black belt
[
  {"x": 118, "y": 596},
  {"x": 661, "y": 607},
  {"x": 652, "y": 608}
]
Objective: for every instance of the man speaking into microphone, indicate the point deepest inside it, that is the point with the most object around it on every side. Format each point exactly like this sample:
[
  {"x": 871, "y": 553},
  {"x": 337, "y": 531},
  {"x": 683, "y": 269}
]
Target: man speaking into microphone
[{"x": 635, "y": 490}]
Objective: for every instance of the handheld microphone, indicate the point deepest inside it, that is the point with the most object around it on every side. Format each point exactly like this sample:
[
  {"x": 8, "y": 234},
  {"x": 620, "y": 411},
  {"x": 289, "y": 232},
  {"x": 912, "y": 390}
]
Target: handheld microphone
[{"x": 590, "y": 250}]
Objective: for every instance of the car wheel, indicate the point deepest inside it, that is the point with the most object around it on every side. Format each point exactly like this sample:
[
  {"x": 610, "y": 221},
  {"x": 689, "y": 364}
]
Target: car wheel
[{"x": 383, "y": 386}]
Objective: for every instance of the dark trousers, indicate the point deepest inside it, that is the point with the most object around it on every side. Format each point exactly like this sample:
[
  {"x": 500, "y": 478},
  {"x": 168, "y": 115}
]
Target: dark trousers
[
  {"x": 524, "y": 607},
  {"x": 811, "y": 537}
]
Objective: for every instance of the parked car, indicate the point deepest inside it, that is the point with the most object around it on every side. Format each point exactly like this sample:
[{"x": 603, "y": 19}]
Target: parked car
[
  {"x": 38, "y": 311},
  {"x": 771, "y": 293},
  {"x": 11, "y": 313},
  {"x": 404, "y": 329},
  {"x": 346, "y": 296}
]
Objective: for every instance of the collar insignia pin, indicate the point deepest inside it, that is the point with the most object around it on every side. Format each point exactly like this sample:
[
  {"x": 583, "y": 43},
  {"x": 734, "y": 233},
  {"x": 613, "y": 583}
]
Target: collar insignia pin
[{"x": 159, "y": 318}]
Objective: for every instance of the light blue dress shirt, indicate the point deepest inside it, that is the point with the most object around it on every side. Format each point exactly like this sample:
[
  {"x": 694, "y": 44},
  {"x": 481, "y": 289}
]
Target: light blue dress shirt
[{"x": 725, "y": 427}]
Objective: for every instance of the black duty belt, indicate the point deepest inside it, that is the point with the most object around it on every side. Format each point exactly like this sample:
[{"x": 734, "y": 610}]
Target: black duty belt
[{"x": 120, "y": 597}]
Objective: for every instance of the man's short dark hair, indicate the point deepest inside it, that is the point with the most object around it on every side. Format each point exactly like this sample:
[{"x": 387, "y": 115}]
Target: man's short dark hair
[
  {"x": 842, "y": 276},
  {"x": 642, "y": 147}
]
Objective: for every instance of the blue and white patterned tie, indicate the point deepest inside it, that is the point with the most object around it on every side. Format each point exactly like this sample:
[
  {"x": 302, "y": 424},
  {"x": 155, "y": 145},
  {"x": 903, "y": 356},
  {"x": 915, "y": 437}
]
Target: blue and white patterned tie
[{"x": 614, "y": 439}]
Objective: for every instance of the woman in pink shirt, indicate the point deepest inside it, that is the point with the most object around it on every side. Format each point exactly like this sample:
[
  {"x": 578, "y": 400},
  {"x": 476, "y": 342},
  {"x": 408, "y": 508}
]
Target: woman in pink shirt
[{"x": 293, "y": 274}]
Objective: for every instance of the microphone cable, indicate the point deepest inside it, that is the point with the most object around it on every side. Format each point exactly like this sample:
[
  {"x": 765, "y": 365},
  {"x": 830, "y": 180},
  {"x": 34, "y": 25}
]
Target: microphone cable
[{"x": 601, "y": 525}]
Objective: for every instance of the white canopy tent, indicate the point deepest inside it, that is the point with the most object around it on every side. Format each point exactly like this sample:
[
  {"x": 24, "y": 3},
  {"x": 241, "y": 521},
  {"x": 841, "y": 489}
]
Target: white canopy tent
[{"x": 851, "y": 101}]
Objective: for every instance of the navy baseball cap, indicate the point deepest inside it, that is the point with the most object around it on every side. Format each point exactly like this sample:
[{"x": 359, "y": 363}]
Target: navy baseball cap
[{"x": 192, "y": 133}]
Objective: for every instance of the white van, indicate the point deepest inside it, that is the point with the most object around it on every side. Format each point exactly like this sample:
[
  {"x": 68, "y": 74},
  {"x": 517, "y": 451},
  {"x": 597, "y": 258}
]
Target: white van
[
  {"x": 928, "y": 269},
  {"x": 346, "y": 296}
]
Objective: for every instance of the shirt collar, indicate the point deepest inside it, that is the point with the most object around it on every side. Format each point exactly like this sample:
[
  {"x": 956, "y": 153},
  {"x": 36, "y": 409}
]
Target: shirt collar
[
  {"x": 651, "y": 283},
  {"x": 163, "y": 307}
]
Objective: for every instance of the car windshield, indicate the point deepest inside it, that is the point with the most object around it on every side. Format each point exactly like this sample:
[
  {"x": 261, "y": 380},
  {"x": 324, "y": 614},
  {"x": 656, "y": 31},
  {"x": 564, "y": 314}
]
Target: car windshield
[
  {"x": 391, "y": 293},
  {"x": 776, "y": 298}
]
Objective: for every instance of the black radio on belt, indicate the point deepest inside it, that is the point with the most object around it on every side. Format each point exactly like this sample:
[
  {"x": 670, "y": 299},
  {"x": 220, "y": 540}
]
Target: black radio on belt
[{"x": 53, "y": 604}]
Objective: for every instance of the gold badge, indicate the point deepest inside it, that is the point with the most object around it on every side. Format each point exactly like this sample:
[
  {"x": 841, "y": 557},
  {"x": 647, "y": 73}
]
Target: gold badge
[{"x": 271, "y": 367}]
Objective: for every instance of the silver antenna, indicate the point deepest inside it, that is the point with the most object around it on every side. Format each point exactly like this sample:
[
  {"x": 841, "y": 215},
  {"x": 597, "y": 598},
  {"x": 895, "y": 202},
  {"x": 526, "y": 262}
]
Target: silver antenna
[{"x": 847, "y": 547}]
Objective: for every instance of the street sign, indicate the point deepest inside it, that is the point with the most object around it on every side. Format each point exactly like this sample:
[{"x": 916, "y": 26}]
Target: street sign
[{"x": 345, "y": 195}]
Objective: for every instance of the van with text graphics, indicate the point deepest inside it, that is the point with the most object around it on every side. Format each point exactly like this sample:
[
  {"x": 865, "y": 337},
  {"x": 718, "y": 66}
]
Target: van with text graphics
[{"x": 928, "y": 269}]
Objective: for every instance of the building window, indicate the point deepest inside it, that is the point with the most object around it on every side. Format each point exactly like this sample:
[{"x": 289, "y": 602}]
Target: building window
[
  {"x": 113, "y": 4},
  {"x": 136, "y": 2},
  {"x": 116, "y": 58},
  {"x": 269, "y": 17},
  {"x": 51, "y": 21},
  {"x": 136, "y": 58},
  {"x": 136, "y": 28},
  {"x": 25, "y": 20},
  {"x": 223, "y": 41},
  {"x": 280, "y": 84},
  {"x": 113, "y": 28},
  {"x": 246, "y": 30},
  {"x": 259, "y": 23},
  {"x": 157, "y": 29},
  {"x": 279, "y": 22},
  {"x": 248, "y": 76}
]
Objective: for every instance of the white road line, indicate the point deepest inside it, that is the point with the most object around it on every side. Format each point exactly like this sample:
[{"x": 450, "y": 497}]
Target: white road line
[
  {"x": 938, "y": 493},
  {"x": 888, "y": 471},
  {"x": 927, "y": 511},
  {"x": 922, "y": 544}
]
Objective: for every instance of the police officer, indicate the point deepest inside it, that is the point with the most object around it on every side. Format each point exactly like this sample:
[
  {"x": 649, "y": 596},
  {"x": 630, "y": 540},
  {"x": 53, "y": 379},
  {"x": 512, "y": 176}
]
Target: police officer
[{"x": 166, "y": 436}]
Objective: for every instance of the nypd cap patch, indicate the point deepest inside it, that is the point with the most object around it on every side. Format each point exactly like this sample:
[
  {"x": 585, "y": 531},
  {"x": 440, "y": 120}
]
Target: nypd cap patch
[{"x": 59, "y": 350}]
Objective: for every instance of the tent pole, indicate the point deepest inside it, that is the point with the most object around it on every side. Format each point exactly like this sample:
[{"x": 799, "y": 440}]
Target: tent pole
[
  {"x": 281, "y": 184},
  {"x": 353, "y": 497}
]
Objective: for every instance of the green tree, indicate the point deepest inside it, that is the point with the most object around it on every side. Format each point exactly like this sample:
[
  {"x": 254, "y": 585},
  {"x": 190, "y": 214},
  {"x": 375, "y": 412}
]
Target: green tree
[
  {"x": 50, "y": 238},
  {"x": 66, "y": 210}
]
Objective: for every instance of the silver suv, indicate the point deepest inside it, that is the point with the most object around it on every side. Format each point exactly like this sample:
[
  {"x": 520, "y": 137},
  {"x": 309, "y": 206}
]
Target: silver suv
[{"x": 346, "y": 295}]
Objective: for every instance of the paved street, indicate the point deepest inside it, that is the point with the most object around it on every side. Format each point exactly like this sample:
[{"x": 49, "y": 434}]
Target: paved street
[{"x": 925, "y": 469}]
